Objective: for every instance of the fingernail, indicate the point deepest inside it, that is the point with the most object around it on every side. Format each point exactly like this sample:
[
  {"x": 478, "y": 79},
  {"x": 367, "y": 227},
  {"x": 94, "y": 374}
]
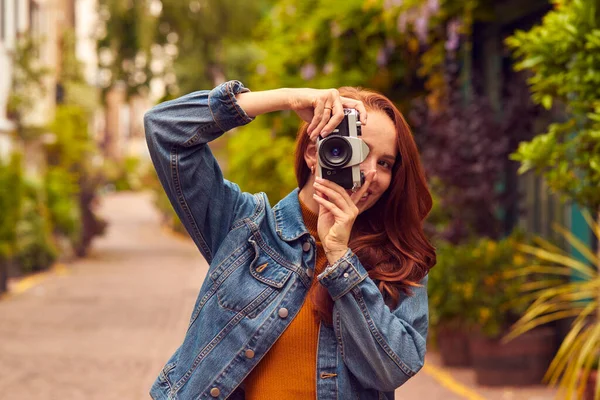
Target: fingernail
[
  {"x": 323, "y": 133},
  {"x": 319, "y": 179}
]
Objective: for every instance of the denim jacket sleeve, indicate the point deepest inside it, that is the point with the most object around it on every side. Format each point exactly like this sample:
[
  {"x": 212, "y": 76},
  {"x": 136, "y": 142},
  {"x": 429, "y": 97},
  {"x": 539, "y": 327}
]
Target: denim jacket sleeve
[
  {"x": 177, "y": 133},
  {"x": 382, "y": 348}
]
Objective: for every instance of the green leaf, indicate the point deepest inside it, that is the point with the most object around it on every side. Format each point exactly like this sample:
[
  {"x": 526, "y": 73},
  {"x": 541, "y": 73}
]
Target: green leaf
[{"x": 547, "y": 102}]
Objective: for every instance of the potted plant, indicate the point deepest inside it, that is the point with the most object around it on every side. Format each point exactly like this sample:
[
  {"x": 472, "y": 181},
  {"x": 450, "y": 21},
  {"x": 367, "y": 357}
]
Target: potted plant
[
  {"x": 576, "y": 361},
  {"x": 450, "y": 293},
  {"x": 10, "y": 204},
  {"x": 472, "y": 305},
  {"x": 494, "y": 309}
]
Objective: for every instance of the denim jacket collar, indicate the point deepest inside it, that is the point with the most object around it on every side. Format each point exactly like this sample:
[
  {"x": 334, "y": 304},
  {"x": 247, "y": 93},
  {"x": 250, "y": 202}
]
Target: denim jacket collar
[{"x": 288, "y": 217}]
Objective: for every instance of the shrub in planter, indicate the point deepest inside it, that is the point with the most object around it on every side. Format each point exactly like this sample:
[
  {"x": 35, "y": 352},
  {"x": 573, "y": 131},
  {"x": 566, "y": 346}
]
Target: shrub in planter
[
  {"x": 496, "y": 305},
  {"x": 125, "y": 174},
  {"x": 469, "y": 296},
  {"x": 35, "y": 250},
  {"x": 494, "y": 289},
  {"x": 72, "y": 152},
  {"x": 472, "y": 294},
  {"x": 450, "y": 294},
  {"x": 61, "y": 192},
  {"x": 10, "y": 206}
]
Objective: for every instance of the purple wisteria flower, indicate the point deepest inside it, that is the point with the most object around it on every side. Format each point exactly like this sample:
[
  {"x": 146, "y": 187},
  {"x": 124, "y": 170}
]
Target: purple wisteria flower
[
  {"x": 382, "y": 57},
  {"x": 308, "y": 71},
  {"x": 421, "y": 27},
  {"x": 453, "y": 34},
  {"x": 433, "y": 6}
]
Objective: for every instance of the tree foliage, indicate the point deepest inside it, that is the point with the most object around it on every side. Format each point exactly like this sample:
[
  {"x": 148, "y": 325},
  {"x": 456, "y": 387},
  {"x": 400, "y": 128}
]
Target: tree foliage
[
  {"x": 563, "y": 55},
  {"x": 212, "y": 39},
  {"x": 256, "y": 154},
  {"x": 125, "y": 37},
  {"x": 27, "y": 85},
  {"x": 188, "y": 44},
  {"x": 359, "y": 44},
  {"x": 465, "y": 149},
  {"x": 72, "y": 179}
]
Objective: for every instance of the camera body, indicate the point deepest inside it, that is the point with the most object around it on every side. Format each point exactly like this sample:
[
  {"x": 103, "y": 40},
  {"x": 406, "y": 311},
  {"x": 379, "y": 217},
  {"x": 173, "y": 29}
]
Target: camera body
[{"x": 340, "y": 153}]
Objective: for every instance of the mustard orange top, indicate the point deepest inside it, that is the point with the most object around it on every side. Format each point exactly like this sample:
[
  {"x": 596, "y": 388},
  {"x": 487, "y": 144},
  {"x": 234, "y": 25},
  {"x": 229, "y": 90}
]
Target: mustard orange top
[{"x": 296, "y": 349}]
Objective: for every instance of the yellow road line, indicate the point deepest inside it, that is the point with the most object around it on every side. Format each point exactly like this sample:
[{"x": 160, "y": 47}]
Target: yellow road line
[
  {"x": 447, "y": 381},
  {"x": 31, "y": 281}
]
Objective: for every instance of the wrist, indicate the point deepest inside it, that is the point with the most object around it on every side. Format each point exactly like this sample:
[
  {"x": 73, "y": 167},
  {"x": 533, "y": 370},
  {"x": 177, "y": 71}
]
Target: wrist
[
  {"x": 262, "y": 102},
  {"x": 288, "y": 98},
  {"x": 334, "y": 255}
]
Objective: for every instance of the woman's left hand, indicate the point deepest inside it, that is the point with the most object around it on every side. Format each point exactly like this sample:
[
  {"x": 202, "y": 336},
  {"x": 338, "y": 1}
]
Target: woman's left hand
[{"x": 337, "y": 212}]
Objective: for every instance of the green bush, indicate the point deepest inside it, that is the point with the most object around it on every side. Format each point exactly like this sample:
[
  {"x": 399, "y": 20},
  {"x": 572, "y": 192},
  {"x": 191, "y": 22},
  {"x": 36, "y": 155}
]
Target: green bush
[
  {"x": 73, "y": 144},
  {"x": 36, "y": 249},
  {"x": 259, "y": 161},
  {"x": 72, "y": 153},
  {"x": 61, "y": 196},
  {"x": 473, "y": 285},
  {"x": 125, "y": 175},
  {"x": 563, "y": 56},
  {"x": 10, "y": 204}
]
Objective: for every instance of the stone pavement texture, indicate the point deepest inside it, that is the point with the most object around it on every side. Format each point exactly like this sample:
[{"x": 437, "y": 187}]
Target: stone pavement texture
[{"x": 104, "y": 327}]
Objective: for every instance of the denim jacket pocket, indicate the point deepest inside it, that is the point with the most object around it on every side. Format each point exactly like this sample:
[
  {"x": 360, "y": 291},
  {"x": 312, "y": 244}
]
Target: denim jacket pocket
[
  {"x": 164, "y": 378},
  {"x": 252, "y": 281}
]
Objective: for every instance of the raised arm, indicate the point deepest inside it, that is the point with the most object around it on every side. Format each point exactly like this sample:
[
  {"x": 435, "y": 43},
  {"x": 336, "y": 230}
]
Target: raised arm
[
  {"x": 382, "y": 347},
  {"x": 177, "y": 133}
]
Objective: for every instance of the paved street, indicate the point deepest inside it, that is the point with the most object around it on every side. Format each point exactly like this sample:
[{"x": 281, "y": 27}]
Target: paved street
[{"x": 102, "y": 327}]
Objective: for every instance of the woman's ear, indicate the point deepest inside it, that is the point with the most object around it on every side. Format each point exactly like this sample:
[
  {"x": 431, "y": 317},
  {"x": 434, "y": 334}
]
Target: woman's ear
[{"x": 310, "y": 155}]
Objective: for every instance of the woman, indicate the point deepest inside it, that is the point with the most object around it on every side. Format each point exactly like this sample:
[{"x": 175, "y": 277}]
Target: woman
[{"x": 322, "y": 296}]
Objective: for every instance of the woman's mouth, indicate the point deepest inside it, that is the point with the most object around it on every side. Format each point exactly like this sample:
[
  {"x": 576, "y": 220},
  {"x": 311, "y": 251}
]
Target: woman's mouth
[{"x": 365, "y": 196}]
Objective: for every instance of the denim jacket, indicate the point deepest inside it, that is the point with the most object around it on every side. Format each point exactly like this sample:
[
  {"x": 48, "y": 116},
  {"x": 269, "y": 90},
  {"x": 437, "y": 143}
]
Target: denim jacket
[{"x": 261, "y": 262}]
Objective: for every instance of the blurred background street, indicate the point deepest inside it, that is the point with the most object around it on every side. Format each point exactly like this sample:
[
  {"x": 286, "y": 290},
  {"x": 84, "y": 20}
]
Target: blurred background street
[
  {"x": 101, "y": 328},
  {"x": 98, "y": 276}
]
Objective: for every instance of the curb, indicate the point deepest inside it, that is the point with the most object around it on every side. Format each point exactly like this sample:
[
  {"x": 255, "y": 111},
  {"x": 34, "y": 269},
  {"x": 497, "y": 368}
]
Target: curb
[
  {"x": 445, "y": 379},
  {"x": 22, "y": 285}
]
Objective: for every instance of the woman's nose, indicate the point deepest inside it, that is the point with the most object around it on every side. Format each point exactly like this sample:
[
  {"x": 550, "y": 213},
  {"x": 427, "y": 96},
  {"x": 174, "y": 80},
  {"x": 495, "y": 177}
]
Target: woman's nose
[{"x": 367, "y": 167}]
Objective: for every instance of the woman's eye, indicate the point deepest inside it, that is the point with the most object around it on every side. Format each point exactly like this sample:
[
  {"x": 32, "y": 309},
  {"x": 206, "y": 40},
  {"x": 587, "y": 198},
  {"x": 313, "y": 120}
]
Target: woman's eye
[{"x": 385, "y": 164}]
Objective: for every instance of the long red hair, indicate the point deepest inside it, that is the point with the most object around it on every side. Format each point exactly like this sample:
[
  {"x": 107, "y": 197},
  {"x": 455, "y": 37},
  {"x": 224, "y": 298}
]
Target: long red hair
[{"x": 388, "y": 238}]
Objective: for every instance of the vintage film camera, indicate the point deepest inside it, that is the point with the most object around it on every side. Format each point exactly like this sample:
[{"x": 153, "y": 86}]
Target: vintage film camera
[{"x": 339, "y": 154}]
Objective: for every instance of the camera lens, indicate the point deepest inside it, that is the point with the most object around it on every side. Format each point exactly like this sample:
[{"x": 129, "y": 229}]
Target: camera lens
[{"x": 335, "y": 152}]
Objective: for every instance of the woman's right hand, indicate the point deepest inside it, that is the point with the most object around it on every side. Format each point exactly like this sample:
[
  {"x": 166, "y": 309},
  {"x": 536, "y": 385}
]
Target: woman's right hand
[{"x": 323, "y": 109}]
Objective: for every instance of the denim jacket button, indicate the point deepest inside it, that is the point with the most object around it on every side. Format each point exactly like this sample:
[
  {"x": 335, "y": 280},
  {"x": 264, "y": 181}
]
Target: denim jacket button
[
  {"x": 215, "y": 392},
  {"x": 283, "y": 312},
  {"x": 306, "y": 247},
  {"x": 249, "y": 353},
  {"x": 309, "y": 272}
]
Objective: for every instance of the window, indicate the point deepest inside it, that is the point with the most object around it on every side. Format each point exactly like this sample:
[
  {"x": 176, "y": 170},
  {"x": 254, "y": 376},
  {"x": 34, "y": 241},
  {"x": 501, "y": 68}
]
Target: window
[{"x": 2, "y": 16}]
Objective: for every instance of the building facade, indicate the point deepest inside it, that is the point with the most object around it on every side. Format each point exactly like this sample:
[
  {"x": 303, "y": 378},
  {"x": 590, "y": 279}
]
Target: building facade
[{"x": 15, "y": 17}]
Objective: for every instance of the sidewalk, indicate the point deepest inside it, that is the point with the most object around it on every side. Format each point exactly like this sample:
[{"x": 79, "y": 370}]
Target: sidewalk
[{"x": 102, "y": 327}]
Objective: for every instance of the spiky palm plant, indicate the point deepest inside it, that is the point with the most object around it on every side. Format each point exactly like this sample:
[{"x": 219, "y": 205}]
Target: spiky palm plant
[{"x": 556, "y": 296}]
